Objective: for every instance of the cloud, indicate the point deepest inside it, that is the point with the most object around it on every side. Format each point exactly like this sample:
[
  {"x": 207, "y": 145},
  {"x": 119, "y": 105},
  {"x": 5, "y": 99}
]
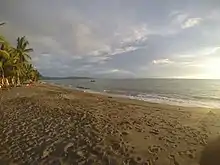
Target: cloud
[
  {"x": 162, "y": 61},
  {"x": 184, "y": 20},
  {"x": 117, "y": 73},
  {"x": 109, "y": 38},
  {"x": 178, "y": 17},
  {"x": 123, "y": 50},
  {"x": 210, "y": 50},
  {"x": 134, "y": 34},
  {"x": 84, "y": 67},
  {"x": 191, "y": 22},
  {"x": 110, "y": 51},
  {"x": 96, "y": 59},
  {"x": 201, "y": 52},
  {"x": 114, "y": 70},
  {"x": 203, "y": 63},
  {"x": 192, "y": 59},
  {"x": 214, "y": 15}
]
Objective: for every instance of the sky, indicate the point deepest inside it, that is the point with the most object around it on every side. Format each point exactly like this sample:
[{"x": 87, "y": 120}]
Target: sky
[{"x": 118, "y": 38}]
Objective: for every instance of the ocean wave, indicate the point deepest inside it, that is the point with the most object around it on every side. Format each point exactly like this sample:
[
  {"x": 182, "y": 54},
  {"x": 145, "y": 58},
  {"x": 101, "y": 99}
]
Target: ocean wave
[
  {"x": 177, "y": 101},
  {"x": 197, "y": 93},
  {"x": 206, "y": 98},
  {"x": 169, "y": 99}
]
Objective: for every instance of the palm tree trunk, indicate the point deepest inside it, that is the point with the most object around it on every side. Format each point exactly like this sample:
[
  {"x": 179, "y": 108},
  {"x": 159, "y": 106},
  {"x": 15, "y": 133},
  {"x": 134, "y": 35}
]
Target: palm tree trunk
[
  {"x": 18, "y": 81},
  {"x": 2, "y": 81},
  {"x": 7, "y": 82},
  {"x": 3, "y": 77},
  {"x": 13, "y": 80}
]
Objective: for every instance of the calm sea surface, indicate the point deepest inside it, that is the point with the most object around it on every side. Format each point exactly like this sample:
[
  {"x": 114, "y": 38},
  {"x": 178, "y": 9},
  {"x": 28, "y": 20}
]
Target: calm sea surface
[{"x": 198, "y": 93}]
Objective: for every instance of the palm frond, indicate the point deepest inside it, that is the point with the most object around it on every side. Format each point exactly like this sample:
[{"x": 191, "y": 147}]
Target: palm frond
[
  {"x": 16, "y": 62},
  {"x": 4, "y": 54},
  {"x": 28, "y": 50},
  {"x": 3, "y": 40}
]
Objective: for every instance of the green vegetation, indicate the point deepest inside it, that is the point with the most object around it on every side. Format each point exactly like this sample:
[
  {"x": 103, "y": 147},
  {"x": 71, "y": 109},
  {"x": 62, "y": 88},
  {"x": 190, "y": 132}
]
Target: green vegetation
[{"x": 15, "y": 63}]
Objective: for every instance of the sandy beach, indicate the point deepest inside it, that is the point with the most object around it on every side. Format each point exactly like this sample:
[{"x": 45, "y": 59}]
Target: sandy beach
[{"x": 45, "y": 124}]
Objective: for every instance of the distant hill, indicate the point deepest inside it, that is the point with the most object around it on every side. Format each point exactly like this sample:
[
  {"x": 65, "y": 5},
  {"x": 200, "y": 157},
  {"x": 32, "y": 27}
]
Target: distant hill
[{"x": 63, "y": 78}]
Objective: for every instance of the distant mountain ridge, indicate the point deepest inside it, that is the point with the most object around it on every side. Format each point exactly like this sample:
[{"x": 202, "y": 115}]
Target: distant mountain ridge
[{"x": 61, "y": 78}]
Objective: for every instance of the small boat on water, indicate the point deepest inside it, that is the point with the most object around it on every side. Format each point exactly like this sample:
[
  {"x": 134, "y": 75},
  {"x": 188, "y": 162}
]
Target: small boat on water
[{"x": 92, "y": 81}]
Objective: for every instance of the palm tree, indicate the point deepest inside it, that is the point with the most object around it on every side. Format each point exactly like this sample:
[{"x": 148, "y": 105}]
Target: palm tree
[
  {"x": 12, "y": 67},
  {"x": 23, "y": 56},
  {"x": 22, "y": 50},
  {"x": 36, "y": 75},
  {"x": 4, "y": 56},
  {"x": 32, "y": 73},
  {"x": 15, "y": 64}
]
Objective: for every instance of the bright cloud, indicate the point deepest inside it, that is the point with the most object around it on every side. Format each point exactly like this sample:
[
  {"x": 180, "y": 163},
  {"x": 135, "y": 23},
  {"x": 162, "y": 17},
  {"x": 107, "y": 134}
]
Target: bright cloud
[
  {"x": 123, "y": 50},
  {"x": 118, "y": 73},
  {"x": 198, "y": 53},
  {"x": 134, "y": 34},
  {"x": 191, "y": 22},
  {"x": 162, "y": 61},
  {"x": 211, "y": 50},
  {"x": 114, "y": 70},
  {"x": 185, "y": 20}
]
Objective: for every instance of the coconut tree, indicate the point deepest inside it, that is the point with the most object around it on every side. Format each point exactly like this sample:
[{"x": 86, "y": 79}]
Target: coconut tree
[
  {"x": 23, "y": 50},
  {"x": 35, "y": 75},
  {"x": 4, "y": 57},
  {"x": 23, "y": 54},
  {"x": 15, "y": 64},
  {"x": 32, "y": 73},
  {"x": 12, "y": 67},
  {"x": 28, "y": 71}
]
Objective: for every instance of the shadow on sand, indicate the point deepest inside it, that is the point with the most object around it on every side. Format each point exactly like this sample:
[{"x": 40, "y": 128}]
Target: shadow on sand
[{"x": 211, "y": 153}]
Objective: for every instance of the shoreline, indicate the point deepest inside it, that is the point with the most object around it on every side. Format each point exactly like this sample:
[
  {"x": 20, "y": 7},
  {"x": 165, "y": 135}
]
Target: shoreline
[
  {"x": 128, "y": 100},
  {"x": 166, "y": 103},
  {"x": 48, "y": 124}
]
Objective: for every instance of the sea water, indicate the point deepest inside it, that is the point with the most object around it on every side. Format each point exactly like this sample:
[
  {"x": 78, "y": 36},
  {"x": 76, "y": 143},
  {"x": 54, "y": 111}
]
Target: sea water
[{"x": 183, "y": 92}]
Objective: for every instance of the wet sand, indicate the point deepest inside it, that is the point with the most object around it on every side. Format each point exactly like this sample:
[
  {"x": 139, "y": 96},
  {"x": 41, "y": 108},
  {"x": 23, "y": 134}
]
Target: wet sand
[{"x": 45, "y": 124}]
